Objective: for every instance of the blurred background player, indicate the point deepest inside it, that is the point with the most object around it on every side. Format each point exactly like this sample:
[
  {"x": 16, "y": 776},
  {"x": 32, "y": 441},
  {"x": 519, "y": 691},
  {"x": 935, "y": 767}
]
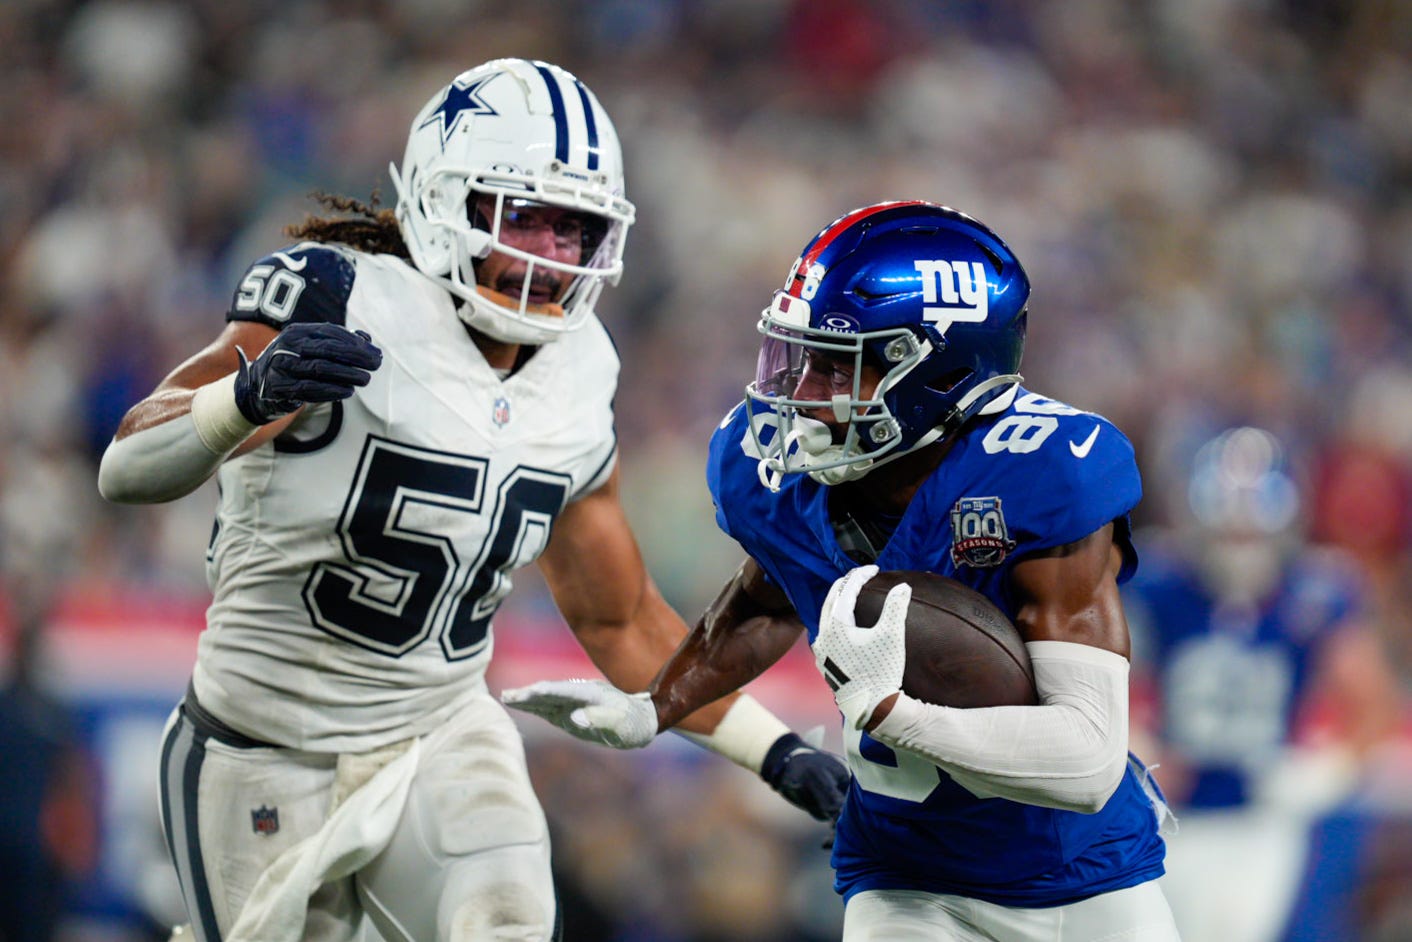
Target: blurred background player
[
  {"x": 402, "y": 410},
  {"x": 887, "y": 428},
  {"x": 48, "y": 819},
  {"x": 1265, "y": 686}
]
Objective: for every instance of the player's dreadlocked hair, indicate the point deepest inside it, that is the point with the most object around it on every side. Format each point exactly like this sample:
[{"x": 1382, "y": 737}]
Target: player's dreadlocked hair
[{"x": 367, "y": 229}]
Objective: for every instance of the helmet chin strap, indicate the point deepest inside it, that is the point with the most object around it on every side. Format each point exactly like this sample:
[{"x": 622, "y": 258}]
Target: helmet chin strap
[
  {"x": 481, "y": 316},
  {"x": 1000, "y": 403},
  {"x": 813, "y": 436},
  {"x": 854, "y": 471},
  {"x": 809, "y": 436}
]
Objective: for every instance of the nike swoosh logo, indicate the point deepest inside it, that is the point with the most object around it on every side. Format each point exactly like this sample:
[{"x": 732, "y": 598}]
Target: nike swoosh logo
[
  {"x": 290, "y": 263},
  {"x": 1081, "y": 451}
]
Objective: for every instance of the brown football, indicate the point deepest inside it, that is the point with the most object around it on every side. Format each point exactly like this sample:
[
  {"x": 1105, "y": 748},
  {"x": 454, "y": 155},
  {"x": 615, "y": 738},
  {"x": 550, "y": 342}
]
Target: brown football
[{"x": 962, "y": 651}]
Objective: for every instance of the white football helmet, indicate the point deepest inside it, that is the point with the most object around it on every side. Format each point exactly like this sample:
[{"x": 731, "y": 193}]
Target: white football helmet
[{"x": 518, "y": 132}]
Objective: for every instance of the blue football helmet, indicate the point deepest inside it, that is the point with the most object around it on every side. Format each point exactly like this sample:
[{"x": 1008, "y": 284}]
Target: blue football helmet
[
  {"x": 1245, "y": 502},
  {"x": 923, "y": 299},
  {"x": 1242, "y": 483}
]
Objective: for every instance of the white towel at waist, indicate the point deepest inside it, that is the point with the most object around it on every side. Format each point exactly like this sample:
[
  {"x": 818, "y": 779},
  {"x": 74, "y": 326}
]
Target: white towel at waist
[{"x": 370, "y": 791}]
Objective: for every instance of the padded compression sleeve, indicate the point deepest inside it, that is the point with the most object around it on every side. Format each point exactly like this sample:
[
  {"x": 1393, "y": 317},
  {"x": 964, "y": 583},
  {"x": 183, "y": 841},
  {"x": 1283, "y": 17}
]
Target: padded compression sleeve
[
  {"x": 172, "y": 459},
  {"x": 1069, "y": 752}
]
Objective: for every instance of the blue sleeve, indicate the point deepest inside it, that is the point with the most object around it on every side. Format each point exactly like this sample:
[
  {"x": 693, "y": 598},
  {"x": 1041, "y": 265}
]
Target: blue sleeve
[{"x": 304, "y": 283}]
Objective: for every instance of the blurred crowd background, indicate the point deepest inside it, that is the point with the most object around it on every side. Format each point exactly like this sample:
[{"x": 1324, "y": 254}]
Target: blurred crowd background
[{"x": 1213, "y": 199}]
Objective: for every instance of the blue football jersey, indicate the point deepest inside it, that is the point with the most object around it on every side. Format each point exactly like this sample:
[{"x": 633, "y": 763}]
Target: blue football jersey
[
  {"x": 1039, "y": 474},
  {"x": 1232, "y": 678}
]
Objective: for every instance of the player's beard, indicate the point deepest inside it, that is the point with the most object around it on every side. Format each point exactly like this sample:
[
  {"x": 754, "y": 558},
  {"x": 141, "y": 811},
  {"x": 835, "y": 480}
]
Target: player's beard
[{"x": 543, "y": 288}]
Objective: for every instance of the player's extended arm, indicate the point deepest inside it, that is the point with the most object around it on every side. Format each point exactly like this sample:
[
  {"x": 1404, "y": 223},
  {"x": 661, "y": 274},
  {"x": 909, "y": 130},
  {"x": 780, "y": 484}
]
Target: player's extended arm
[
  {"x": 595, "y": 571},
  {"x": 219, "y": 403},
  {"x": 1068, "y": 752},
  {"x": 748, "y": 627}
]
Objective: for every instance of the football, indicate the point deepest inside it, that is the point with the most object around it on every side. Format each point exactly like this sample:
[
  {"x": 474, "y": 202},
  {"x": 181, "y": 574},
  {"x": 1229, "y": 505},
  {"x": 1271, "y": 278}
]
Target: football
[{"x": 962, "y": 651}]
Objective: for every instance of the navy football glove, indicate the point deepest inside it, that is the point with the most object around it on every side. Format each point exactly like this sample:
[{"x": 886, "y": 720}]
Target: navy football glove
[
  {"x": 305, "y": 363},
  {"x": 808, "y": 778}
]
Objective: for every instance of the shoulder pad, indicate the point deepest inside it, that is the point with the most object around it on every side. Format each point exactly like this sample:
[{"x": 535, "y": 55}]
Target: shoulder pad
[
  {"x": 305, "y": 283},
  {"x": 1068, "y": 472}
]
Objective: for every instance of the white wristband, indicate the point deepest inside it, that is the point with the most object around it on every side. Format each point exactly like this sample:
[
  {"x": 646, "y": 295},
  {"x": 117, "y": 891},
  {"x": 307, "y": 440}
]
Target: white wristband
[
  {"x": 218, "y": 420},
  {"x": 744, "y": 735}
]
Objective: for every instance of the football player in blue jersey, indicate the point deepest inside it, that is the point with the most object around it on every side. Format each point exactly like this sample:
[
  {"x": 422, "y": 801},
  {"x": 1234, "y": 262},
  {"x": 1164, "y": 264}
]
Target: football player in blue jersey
[
  {"x": 887, "y": 429},
  {"x": 402, "y": 410},
  {"x": 1239, "y": 626}
]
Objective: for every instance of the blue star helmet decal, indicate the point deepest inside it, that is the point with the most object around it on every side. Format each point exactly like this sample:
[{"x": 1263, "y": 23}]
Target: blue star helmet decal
[{"x": 460, "y": 101}]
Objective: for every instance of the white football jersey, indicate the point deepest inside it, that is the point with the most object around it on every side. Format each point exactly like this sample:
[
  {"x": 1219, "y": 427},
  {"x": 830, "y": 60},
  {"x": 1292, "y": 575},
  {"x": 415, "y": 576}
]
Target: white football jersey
[{"x": 357, "y": 560}]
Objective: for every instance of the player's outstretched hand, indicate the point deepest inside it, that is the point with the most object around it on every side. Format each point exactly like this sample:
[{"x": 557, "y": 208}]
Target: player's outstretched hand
[
  {"x": 592, "y": 710},
  {"x": 807, "y": 776},
  {"x": 305, "y": 363},
  {"x": 862, "y": 665}
]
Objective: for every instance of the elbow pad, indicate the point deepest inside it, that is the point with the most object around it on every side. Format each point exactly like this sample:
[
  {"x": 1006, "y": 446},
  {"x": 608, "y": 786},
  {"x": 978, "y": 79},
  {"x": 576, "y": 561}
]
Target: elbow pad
[{"x": 1069, "y": 752}]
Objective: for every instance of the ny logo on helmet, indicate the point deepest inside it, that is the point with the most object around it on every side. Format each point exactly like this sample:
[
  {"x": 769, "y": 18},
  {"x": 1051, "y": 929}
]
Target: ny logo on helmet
[{"x": 958, "y": 285}]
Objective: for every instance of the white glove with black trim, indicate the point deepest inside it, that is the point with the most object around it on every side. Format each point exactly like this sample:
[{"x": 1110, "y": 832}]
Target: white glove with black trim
[
  {"x": 591, "y": 710},
  {"x": 862, "y": 665}
]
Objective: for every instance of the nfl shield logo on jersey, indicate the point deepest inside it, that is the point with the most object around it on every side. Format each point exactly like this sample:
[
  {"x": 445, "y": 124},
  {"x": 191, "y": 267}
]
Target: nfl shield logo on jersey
[
  {"x": 264, "y": 820},
  {"x": 500, "y": 413},
  {"x": 978, "y": 534}
]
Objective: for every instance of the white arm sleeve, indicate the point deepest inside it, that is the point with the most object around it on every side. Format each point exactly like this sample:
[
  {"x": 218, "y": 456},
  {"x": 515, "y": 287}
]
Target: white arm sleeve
[
  {"x": 1069, "y": 752},
  {"x": 172, "y": 459}
]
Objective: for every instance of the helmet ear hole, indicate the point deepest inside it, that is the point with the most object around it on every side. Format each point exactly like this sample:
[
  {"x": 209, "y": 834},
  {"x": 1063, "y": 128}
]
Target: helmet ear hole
[{"x": 950, "y": 379}]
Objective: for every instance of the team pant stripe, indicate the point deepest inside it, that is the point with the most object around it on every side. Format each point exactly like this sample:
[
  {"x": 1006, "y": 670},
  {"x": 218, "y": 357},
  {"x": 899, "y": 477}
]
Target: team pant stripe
[
  {"x": 561, "y": 124},
  {"x": 182, "y": 756},
  {"x": 592, "y": 125},
  {"x": 169, "y": 738}
]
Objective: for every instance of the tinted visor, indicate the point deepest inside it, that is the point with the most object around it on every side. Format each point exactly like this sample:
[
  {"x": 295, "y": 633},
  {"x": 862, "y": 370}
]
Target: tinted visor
[
  {"x": 524, "y": 222},
  {"x": 807, "y": 366},
  {"x": 780, "y": 364}
]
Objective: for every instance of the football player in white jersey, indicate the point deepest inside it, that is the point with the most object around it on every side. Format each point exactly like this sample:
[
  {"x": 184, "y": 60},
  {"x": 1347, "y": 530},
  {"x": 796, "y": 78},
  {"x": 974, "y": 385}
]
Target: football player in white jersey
[{"x": 403, "y": 409}]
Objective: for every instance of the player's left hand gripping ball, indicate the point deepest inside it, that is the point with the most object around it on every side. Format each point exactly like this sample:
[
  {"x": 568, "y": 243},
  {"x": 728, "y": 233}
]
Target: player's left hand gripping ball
[
  {"x": 592, "y": 710},
  {"x": 863, "y": 665}
]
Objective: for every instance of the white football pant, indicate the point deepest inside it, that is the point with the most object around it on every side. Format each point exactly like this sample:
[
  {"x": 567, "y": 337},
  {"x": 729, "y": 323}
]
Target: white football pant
[
  {"x": 468, "y": 860},
  {"x": 1136, "y": 914}
]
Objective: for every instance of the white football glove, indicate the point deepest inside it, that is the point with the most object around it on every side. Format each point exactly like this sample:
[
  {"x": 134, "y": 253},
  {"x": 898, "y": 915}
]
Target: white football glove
[
  {"x": 592, "y": 710},
  {"x": 863, "y": 666}
]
